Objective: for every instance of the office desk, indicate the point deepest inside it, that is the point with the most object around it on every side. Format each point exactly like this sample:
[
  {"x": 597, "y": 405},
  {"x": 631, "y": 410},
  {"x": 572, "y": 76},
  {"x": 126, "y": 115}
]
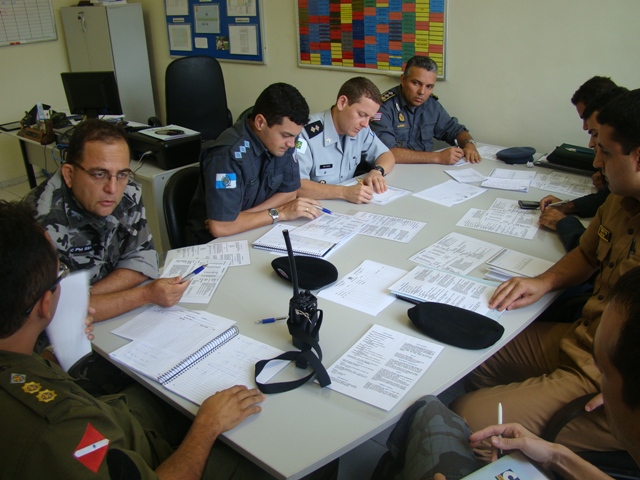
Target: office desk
[
  {"x": 152, "y": 179},
  {"x": 299, "y": 431}
]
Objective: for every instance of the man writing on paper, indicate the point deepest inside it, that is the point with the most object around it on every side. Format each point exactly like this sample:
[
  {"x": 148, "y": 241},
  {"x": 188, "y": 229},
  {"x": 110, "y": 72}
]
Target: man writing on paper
[
  {"x": 432, "y": 441},
  {"x": 92, "y": 209},
  {"x": 410, "y": 117},
  {"x": 249, "y": 177},
  {"x": 334, "y": 142},
  {"x": 549, "y": 364},
  {"x": 51, "y": 425}
]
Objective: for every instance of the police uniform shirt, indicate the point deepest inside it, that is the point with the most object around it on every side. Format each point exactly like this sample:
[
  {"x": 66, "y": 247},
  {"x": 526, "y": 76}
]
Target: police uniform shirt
[
  {"x": 326, "y": 156},
  {"x": 55, "y": 430},
  {"x": 398, "y": 124},
  {"x": 96, "y": 244},
  {"x": 238, "y": 173}
]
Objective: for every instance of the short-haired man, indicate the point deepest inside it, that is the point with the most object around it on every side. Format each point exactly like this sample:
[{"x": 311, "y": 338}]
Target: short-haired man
[
  {"x": 410, "y": 117},
  {"x": 92, "y": 209},
  {"x": 335, "y": 141},
  {"x": 589, "y": 100},
  {"x": 249, "y": 178},
  {"x": 439, "y": 442},
  {"x": 51, "y": 425},
  {"x": 549, "y": 364}
]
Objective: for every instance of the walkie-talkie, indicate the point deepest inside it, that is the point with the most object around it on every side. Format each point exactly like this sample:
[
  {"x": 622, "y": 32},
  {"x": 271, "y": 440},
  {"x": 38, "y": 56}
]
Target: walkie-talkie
[{"x": 304, "y": 315}]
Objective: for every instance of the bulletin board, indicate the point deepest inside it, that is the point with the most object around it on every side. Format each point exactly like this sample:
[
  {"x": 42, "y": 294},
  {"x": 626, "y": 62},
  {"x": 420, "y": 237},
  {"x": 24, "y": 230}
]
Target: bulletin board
[
  {"x": 370, "y": 34},
  {"x": 224, "y": 29},
  {"x": 24, "y": 21}
]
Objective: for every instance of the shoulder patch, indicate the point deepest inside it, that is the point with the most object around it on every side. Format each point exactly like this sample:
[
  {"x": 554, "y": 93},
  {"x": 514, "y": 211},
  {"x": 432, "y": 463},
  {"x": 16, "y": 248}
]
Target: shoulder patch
[
  {"x": 389, "y": 94},
  {"x": 301, "y": 145},
  {"x": 314, "y": 128}
]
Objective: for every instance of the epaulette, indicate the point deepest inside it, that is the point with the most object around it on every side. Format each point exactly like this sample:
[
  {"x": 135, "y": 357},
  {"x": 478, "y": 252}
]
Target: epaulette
[
  {"x": 388, "y": 95},
  {"x": 31, "y": 392},
  {"x": 314, "y": 128}
]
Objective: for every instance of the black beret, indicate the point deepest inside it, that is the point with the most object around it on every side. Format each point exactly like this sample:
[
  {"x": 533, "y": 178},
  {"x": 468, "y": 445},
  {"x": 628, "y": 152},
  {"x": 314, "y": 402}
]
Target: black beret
[
  {"x": 516, "y": 155},
  {"x": 313, "y": 273},
  {"x": 455, "y": 326}
]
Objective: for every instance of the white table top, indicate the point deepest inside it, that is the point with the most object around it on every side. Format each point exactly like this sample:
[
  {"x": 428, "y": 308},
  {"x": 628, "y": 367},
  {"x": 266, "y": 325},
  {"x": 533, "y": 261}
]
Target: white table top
[{"x": 299, "y": 431}]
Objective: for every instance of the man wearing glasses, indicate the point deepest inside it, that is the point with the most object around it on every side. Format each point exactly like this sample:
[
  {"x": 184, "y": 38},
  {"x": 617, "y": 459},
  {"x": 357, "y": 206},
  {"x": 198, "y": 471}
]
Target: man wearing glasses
[{"x": 92, "y": 209}]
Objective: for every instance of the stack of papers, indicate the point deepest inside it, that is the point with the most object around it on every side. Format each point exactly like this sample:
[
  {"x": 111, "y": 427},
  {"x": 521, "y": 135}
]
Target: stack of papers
[{"x": 509, "y": 263}]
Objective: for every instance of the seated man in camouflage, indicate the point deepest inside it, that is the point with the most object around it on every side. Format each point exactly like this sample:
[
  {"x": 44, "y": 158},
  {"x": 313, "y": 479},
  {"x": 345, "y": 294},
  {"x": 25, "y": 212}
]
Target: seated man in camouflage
[{"x": 92, "y": 209}]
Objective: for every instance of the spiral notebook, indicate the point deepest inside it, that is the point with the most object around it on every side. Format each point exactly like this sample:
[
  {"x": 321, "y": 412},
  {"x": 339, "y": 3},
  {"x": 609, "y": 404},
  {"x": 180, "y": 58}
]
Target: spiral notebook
[
  {"x": 274, "y": 242},
  {"x": 192, "y": 353}
]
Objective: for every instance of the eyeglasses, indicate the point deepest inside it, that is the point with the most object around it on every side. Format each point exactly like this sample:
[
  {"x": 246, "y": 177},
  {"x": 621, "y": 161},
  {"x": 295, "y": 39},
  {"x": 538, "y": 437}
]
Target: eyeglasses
[
  {"x": 102, "y": 176},
  {"x": 63, "y": 271}
]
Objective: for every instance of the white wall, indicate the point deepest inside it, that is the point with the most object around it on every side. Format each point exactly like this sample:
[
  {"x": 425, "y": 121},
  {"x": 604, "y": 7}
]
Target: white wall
[{"x": 512, "y": 67}]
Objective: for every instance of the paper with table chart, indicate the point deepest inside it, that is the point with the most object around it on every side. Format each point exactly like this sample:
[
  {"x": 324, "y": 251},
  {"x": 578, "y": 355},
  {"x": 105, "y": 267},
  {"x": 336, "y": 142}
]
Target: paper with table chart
[
  {"x": 509, "y": 263},
  {"x": 450, "y": 193},
  {"x": 514, "y": 184},
  {"x": 504, "y": 217},
  {"x": 566, "y": 183},
  {"x": 204, "y": 284},
  {"x": 168, "y": 343},
  {"x": 366, "y": 288},
  {"x": 387, "y": 227},
  {"x": 392, "y": 193},
  {"x": 423, "y": 284},
  {"x": 273, "y": 241},
  {"x": 466, "y": 175},
  {"x": 488, "y": 151},
  {"x": 382, "y": 366},
  {"x": 237, "y": 252},
  {"x": 456, "y": 253},
  {"x": 336, "y": 228}
]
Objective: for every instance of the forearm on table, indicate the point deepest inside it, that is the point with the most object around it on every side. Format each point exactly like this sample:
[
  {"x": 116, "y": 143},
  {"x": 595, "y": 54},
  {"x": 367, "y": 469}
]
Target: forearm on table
[
  {"x": 572, "y": 269},
  {"x": 118, "y": 280},
  {"x": 405, "y": 155},
  {"x": 321, "y": 191}
]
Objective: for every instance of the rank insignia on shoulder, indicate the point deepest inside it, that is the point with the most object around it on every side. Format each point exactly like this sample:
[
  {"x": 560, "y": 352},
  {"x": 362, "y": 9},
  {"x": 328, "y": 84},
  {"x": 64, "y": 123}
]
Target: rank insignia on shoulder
[
  {"x": 46, "y": 395},
  {"x": 314, "y": 128},
  {"x": 225, "y": 180},
  {"x": 18, "y": 378},
  {"x": 388, "y": 95},
  {"x": 604, "y": 234},
  {"x": 31, "y": 387}
]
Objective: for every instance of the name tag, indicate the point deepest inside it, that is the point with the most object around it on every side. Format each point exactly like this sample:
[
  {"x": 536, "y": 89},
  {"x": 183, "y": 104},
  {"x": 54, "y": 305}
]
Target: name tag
[
  {"x": 85, "y": 249},
  {"x": 326, "y": 165},
  {"x": 604, "y": 234}
]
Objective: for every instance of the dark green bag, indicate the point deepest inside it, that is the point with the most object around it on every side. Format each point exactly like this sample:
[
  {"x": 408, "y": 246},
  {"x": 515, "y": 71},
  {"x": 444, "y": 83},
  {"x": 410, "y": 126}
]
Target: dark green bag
[{"x": 573, "y": 156}]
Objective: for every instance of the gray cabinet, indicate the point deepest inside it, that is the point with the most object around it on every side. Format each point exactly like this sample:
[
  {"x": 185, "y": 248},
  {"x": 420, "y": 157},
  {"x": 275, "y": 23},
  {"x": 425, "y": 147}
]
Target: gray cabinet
[{"x": 113, "y": 39}]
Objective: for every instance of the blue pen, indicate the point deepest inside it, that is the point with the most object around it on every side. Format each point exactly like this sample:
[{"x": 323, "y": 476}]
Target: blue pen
[
  {"x": 271, "y": 320},
  {"x": 192, "y": 274},
  {"x": 325, "y": 210}
]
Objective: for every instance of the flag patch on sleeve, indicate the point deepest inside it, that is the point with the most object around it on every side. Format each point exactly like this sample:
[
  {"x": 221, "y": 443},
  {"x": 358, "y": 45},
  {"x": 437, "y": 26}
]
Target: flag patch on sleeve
[{"x": 225, "y": 180}]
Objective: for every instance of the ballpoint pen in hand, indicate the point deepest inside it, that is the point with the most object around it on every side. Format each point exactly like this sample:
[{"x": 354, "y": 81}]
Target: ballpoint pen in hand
[
  {"x": 271, "y": 320},
  {"x": 500, "y": 423},
  {"x": 558, "y": 204},
  {"x": 325, "y": 210},
  {"x": 194, "y": 273}
]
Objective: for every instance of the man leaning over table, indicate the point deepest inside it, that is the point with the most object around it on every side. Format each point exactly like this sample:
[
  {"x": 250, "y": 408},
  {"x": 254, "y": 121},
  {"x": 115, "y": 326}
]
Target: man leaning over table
[
  {"x": 92, "y": 209},
  {"x": 410, "y": 117},
  {"x": 333, "y": 143},
  {"x": 550, "y": 364},
  {"x": 249, "y": 178}
]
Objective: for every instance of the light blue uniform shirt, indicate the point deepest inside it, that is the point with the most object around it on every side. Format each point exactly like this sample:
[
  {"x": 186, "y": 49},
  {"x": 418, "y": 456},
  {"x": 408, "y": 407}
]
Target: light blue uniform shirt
[{"x": 324, "y": 155}]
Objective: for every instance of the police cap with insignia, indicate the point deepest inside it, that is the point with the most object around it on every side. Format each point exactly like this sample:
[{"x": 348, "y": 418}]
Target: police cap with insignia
[
  {"x": 516, "y": 155},
  {"x": 455, "y": 326},
  {"x": 313, "y": 273}
]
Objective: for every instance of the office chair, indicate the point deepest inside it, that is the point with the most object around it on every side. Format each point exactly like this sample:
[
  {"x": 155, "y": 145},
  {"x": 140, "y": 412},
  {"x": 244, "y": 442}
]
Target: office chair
[
  {"x": 617, "y": 464},
  {"x": 176, "y": 198},
  {"x": 196, "y": 97}
]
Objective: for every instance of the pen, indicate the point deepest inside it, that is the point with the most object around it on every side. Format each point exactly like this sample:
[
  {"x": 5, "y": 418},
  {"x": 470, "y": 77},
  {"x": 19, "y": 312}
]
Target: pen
[
  {"x": 500, "y": 421},
  {"x": 558, "y": 204},
  {"x": 271, "y": 320},
  {"x": 192, "y": 274},
  {"x": 359, "y": 180},
  {"x": 325, "y": 210}
]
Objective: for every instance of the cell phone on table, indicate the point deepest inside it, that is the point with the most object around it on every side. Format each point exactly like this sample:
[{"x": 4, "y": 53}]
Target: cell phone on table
[{"x": 528, "y": 204}]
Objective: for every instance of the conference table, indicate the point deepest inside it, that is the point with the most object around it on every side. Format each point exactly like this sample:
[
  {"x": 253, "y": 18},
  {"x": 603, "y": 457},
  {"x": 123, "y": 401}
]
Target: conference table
[{"x": 304, "y": 429}]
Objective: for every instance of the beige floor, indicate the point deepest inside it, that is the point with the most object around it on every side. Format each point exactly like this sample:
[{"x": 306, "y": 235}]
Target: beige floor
[{"x": 14, "y": 192}]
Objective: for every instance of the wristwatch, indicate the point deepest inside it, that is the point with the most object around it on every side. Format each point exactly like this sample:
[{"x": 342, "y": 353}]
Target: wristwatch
[
  {"x": 274, "y": 215},
  {"x": 378, "y": 168},
  {"x": 472, "y": 142}
]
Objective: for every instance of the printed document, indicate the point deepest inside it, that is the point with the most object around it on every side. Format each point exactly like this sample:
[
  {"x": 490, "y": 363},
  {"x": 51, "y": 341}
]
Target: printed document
[
  {"x": 504, "y": 217},
  {"x": 450, "y": 193},
  {"x": 204, "y": 284},
  {"x": 237, "y": 253},
  {"x": 456, "y": 253},
  {"x": 382, "y": 366},
  {"x": 466, "y": 175},
  {"x": 568, "y": 184},
  {"x": 392, "y": 193},
  {"x": 510, "y": 263},
  {"x": 366, "y": 288},
  {"x": 390, "y": 228},
  {"x": 514, "y": 184}
]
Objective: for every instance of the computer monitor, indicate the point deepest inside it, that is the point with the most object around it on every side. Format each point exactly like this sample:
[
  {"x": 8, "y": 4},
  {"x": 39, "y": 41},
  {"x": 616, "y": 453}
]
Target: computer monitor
[{"x": 92, "y": 94}]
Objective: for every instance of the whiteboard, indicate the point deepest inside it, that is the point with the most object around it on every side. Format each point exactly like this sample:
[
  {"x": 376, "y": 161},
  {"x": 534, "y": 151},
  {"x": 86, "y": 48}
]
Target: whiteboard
[{"x": 26, "y": 21}]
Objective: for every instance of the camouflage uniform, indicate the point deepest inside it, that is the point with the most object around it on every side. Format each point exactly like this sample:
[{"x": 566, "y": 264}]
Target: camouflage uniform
[
  {"x": 97, "y": 244},
  {"x": 428, "y": 439}
]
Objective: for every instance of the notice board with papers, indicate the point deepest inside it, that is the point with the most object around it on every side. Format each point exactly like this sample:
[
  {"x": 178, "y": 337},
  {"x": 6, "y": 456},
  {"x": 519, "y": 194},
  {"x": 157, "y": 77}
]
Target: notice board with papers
[
  {"x": 26, "y": 21},
  {"x": 226, "y": 29}
]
